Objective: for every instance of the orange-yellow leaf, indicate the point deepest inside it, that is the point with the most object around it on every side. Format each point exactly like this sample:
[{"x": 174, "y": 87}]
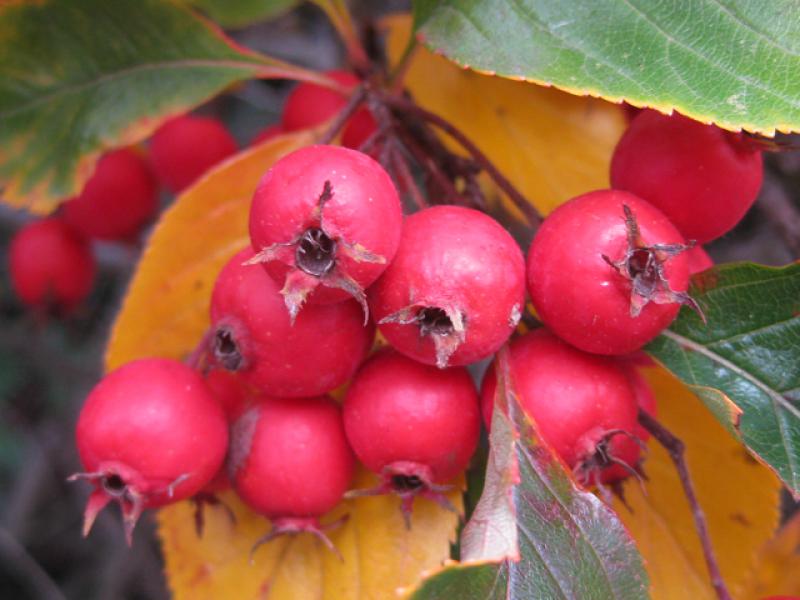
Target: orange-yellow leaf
[
  {"x": 739, "y": 497},
  {"x": 165, "y": 314},
  {"x": 550, "y": 144},
  {"x": 777, "y": 569}
]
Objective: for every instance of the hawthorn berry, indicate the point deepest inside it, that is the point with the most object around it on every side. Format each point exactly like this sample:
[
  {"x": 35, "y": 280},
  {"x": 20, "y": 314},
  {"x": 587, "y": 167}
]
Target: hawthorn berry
[
  {"x": 325, "y": 221},
  {"x": 309, "y": 105},
  {"x": 51, "y": 266},
  {"x": 119, "y": 198},
  {"x": 454, "y": 292},
  {"x": 584, "y": 405},
  {"x": 252, "y": 334},
  {"x": 699, "y": 260},
  {"x": 704, "y": 179},
  {"x": 607, "y": 272},
  {"x": 290, "y": 461},
  {"x": 414, "y": 425},
  {"x": 185, "y": 147},
  {"x": 149, "y": 434}
]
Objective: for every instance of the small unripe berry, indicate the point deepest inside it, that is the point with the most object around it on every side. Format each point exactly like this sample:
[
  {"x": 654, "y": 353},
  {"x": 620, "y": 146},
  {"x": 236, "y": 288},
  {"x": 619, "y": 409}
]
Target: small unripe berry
[
  {"x": 704, "y": 179},
  {"x": 51, "y": 267},
  {"x": 607, "y": 272},
  {"x": 325, "y": 221},
  {"x": 119, "y": 198},
  {"x": 414, "y": 425},
  {"x": 185, "y": 147},
  {"x": 253, "y": 335},
  {"x": 584, "y": 405},
  {"x": 454, "y": 292},
  {"x": 290, "y": 461},
  {"x": 149, "y": 434}
]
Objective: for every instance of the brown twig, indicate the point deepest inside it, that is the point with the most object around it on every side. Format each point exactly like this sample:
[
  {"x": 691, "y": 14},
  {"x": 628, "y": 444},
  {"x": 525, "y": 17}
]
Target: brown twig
[
  {"x": 676, "y": 449},
  {"x": 348, "y": 110},
  {"x": 406, "y": 105},
  {"x": 430, "y": 165},
  {"x": 400, "y": 165}
]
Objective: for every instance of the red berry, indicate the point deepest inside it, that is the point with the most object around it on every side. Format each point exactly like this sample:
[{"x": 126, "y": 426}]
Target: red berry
[
  {"x": 290, "y": 461},
  {"x": 269, "y": 132},
  {"x": 51, "y": 266},
  {"x": 583, "y": 404},
  {"x": 149, "y": 434},
  {"x": 117, "y": 200},
  {"x": 699, "y": 260},
  {"x": 359, "y": 129},
  {"x": 704, "y": 179},
  {"x": 185, "y": 147},
  {"x": 254, "y": 336},
  {"x": 310, "y": 104},
  {"x": 326, "y": 220},
  {"x": 454, "y": 292},
  {"x": 606, "y": 272},
  {"x": 415, "y": 425}
]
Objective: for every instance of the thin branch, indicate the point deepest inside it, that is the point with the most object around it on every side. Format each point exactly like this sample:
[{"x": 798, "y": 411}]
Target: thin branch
[
  {"x": 398, "y": 161},
  {"x": 408, "y": 106},
  {"x": 430, "y": 165},
  {"x": 349, "y": 109},
  {"x": 22, "y": 564},
  {"x": 676, "y": 449}
]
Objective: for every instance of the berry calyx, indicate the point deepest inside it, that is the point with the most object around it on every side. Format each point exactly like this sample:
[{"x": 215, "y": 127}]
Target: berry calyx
[
  {"x": 149, "y": 434},
  {"x": 119, "y": 198},
  {"x": 454, "y": 292},
  {"x": 51, "y": 267},
  {"x": 704, "y": 179},
  {"x": 252, "y": 334},
  {"x": 290, "y": 461},
  {"x": 607, "y": 272},
  {"x": 414, "y": 425},
  {"x": 325, "y": 221},
  {"x": 185, "y": 147},
  {"x": 583, "y": 405}
]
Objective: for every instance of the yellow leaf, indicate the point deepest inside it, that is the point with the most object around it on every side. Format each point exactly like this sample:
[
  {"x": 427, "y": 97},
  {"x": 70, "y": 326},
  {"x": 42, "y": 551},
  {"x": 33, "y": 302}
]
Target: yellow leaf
[
  {"x": 739, "y": 497},
  {"x": 777, "y": 569},
  {"x": 165, "y": 314},
  {"x": 551, "y": 145}
]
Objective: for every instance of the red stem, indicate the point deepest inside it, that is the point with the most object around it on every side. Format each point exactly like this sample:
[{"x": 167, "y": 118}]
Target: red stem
[{"x": 676, "y": 449}]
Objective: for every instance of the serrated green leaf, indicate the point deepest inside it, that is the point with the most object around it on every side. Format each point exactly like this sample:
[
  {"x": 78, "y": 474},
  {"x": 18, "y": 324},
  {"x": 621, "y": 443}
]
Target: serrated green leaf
[
  {"x": 239, "y": 13},
  {"x": 745, "y": 363},
  {"x": 733, "y": 62},
  {"x": 80, "y": 76},
  {"x": 534, "y": 534}
]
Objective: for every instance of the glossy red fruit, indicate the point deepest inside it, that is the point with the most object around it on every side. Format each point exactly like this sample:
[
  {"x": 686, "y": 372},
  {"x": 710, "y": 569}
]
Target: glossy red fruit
[
  {"x": 119, "y": 198},
  {"x": 325, "y": 221},
  {"x": 149, "y": 434},
  {"x": 51, "y": 267},
  {"x": 607, "y": 272},
  {"x": 290, "y": 461},
  {"x": 185, "y": 147},
  {"x": 704, "y": 179},
  {"x": 415, "y": 425},
  {"x": 267, "y": 133},
  {"x": 359, "y": 129},
  {"x": 584, "y": 405},
  {"x": 253, "y": 335},
  {"x": 699, "y": 260},
  {"x": 454, "y": 292}
]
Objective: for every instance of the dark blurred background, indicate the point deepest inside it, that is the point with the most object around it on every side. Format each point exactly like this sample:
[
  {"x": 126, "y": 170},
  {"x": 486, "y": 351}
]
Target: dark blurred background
[{"x": 47, "y": 367}]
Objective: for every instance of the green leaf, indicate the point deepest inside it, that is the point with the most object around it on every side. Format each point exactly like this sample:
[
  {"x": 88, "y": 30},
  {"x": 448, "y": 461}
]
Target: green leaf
[
  {"x": 80, "y": 76},
  {"x": 733, "y": 62},
  {"x": 239, "y": 13},
  {"x": 534, "y": 534},
  {"x": 745, "y": 363}
]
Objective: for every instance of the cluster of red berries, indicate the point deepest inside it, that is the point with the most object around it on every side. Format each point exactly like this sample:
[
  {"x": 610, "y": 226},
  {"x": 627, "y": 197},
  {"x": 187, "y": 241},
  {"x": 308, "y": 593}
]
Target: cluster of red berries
[
  {"x": 51, "y": 263},
  {"x": 293, "y": 317}
]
